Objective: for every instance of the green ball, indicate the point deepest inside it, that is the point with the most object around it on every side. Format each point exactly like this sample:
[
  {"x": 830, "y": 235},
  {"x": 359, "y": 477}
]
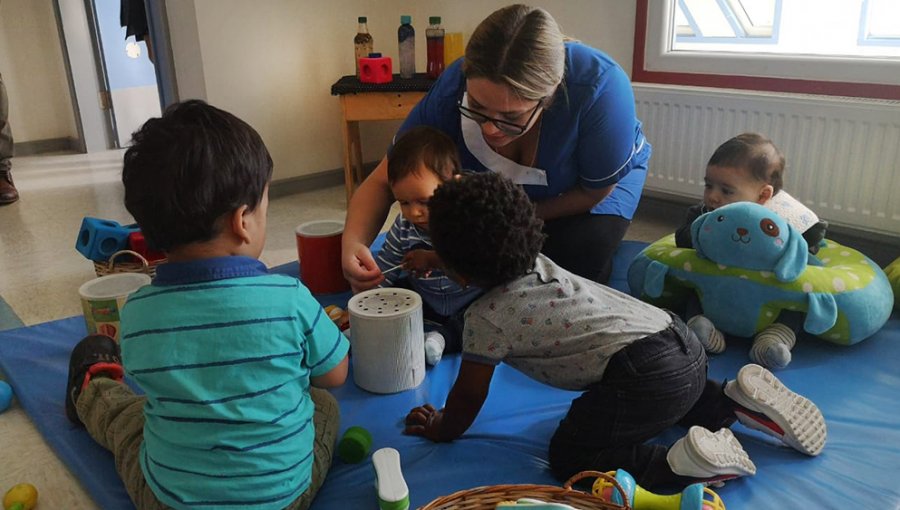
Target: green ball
[{"x": 354, "y": 446}]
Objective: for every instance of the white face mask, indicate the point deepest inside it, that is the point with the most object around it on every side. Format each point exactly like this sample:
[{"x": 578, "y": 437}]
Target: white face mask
[{"x": 475, "y": 142}]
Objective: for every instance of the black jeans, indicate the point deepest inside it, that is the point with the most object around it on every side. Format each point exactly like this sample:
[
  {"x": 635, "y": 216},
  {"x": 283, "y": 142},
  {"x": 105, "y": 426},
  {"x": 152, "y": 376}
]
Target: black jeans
[
  {"x": 585, "y": 244},
  {"x": 655, "y": 383}
]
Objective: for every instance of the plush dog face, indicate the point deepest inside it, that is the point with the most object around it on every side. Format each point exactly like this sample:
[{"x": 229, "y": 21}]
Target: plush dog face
[{"x": 750, "y": 236}]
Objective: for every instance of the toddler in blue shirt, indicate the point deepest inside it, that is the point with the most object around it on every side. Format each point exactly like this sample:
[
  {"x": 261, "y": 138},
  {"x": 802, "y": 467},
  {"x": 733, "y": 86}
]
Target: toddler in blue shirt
[{"x": 230, "y": 358}]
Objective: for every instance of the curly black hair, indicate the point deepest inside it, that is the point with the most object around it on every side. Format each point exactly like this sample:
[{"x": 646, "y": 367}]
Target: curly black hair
[
  {"x": 188, "y": 168},
  {"x": 484, "y": 229}
]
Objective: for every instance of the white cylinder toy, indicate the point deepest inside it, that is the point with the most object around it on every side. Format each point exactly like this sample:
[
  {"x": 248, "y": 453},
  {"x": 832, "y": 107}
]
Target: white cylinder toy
[{"x": 387, "y": 340}]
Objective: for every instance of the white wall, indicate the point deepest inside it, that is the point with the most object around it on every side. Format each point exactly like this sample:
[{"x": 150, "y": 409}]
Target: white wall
[
  {"x": 273, "y": 63},
  {"x": 34, "y": 73}
]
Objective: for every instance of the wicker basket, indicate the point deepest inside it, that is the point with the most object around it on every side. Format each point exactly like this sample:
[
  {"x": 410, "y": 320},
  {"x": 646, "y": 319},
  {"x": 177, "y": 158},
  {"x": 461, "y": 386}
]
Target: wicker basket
[
  {"x": 487, "y": 498},
  {"x": 113, "y": 267}
]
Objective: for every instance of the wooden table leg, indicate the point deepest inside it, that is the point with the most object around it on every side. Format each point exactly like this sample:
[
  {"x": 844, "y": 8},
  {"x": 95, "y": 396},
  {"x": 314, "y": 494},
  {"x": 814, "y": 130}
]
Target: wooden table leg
[
  {"x": 352, "y": 156},
  {"x": 367, "y": 106},
  {"x": 356, "y": 160}
]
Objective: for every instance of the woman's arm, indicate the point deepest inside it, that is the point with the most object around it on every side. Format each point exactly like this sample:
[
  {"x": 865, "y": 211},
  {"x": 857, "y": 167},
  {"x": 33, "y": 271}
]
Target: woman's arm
[
  {"x": 463, "y": 404},
  {"x": 577, "y": 200},
  {"x": 365, "y": 215}
]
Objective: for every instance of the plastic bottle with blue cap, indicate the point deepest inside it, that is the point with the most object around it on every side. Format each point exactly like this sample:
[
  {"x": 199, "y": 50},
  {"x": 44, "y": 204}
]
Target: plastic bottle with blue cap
[{"x": 406, "y": 36}]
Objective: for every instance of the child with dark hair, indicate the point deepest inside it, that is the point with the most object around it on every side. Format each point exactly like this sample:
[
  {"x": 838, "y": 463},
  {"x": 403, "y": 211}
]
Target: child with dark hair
[
  {"x": 640, "y": 369},
  {"x": 229, "y": 357},
  {"x": 750, "y": 168},
  {"x": 419, "y": 162}
]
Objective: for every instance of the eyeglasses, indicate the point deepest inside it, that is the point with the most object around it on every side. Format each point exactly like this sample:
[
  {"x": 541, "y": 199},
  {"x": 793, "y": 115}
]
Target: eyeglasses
[{"x": 509, "y": 128}]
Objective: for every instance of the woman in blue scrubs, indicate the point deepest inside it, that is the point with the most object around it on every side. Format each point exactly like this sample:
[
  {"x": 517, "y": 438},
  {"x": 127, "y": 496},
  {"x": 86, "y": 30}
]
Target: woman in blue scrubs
[{"x": 553, "y": 115}]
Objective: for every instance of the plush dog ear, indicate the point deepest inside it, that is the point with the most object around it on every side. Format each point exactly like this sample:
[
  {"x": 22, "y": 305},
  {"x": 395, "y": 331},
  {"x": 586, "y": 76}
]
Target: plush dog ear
[
  {"x": 695, "y": 234},
  {"x": 822, "y": 313},
  {"x": 793, "y": 259},
  {"x": 655, "y": 279}
]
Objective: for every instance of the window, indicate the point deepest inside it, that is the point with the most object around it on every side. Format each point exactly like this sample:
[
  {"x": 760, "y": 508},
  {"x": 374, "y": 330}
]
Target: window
[
  {"x": 880, "y": 24},
  {"x": 826, "y": 42},
  {"x": 730, "y": 21}
]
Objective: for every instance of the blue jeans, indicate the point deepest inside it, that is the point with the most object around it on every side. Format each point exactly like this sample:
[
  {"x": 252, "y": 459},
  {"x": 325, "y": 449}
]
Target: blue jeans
[{"x": 654, "y": 383}]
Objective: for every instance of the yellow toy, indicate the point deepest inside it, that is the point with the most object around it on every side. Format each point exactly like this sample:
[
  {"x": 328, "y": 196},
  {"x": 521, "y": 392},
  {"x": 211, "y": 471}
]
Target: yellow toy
[
  {"x": 892, "y": 271},
  {"x": 21, "y": 497},
  {"x": 692, "y": 498},
  {"x": 339, "y": 316}
]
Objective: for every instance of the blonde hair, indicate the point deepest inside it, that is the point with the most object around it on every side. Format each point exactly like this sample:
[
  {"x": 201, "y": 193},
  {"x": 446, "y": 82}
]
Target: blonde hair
[{"x": 520, "y": 46}]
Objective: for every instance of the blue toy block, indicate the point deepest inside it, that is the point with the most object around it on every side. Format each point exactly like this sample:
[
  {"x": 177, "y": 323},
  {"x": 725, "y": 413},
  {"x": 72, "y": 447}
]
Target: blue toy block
[{"x": 99, "y": 239}]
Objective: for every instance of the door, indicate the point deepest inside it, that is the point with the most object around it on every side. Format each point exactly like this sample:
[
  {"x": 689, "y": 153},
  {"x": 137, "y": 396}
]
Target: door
[{"x": 129, "y": 92}]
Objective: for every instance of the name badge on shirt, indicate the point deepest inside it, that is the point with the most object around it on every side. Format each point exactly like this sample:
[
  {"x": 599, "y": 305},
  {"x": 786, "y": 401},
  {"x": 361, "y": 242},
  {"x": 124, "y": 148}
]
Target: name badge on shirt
[{"x": 519, "y": 174}]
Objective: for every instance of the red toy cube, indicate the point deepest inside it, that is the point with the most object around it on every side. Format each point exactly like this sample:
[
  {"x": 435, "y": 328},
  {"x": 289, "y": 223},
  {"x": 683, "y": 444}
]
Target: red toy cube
[
  {"x": 136, "y": 242},
  {"x": 375, "y": 69}
]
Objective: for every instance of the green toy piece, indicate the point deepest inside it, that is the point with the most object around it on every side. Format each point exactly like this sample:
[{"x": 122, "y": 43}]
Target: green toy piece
[
  {"x": 355, "y": 444},
  {"x": 892, "y": 271}
]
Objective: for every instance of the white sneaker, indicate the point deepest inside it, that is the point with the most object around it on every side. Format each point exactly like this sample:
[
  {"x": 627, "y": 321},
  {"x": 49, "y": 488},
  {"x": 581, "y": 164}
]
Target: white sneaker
[
  {"x": 434, "y": 347},
  {"x": 769, "y": 406},
  {"x": 709, "y": 457}
]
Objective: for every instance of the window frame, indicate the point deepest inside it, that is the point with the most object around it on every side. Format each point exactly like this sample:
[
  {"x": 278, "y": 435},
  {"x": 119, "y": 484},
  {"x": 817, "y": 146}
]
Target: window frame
[
  {"x": 835, "y": 76},
  {"x": 874, "y": 40},
  {"x": 736, "y": 17}
]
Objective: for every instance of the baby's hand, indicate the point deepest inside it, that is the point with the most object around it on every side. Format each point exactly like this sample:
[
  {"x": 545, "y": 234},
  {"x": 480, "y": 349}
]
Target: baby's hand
[{"x": 421, "y": 262}]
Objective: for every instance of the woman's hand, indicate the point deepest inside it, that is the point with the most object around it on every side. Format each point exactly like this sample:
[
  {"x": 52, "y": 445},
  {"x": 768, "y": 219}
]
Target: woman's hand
[
  {"x": 425, "y": 421},
  {"x": 360, "y": 268},
  {"x": 421, "y": 262},
  {"x": 365, "y": 214}
]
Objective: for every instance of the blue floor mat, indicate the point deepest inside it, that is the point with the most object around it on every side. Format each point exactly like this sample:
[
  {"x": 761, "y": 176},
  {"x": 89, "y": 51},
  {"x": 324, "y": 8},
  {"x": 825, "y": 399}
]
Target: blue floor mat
[{"x": 856, "y": 387}]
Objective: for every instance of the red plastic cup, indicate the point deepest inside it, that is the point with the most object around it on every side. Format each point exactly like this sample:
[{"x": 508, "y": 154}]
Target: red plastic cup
[{"x": 319, "y": 251}]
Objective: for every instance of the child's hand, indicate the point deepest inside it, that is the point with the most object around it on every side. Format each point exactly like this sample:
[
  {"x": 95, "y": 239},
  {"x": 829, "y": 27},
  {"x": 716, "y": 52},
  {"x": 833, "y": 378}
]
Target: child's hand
[
  {"x": 421, "y": 262},
  {"x": 424, "y": 421}
]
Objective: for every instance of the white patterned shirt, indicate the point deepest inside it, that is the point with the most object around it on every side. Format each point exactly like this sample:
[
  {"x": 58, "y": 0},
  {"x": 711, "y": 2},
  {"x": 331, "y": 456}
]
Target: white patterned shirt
[{"x": 556, "y": 327}]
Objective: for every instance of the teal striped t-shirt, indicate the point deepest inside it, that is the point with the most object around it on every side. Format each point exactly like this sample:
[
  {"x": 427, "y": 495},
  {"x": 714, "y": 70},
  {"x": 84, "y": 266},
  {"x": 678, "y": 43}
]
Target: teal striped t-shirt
[{"x": 224, "y": 352}]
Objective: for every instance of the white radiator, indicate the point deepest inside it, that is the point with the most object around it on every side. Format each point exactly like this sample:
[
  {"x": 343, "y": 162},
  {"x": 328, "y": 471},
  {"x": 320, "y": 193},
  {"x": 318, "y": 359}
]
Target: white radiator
[{"x": 843, "y": 154}]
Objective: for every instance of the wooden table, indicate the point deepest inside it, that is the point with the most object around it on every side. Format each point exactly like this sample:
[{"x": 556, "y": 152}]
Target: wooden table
[{"x": 367, "y": 101}]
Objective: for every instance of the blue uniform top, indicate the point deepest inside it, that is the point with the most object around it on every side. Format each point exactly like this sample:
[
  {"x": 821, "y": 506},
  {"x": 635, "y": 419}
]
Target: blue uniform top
[{"x": 590, "y": 135}]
